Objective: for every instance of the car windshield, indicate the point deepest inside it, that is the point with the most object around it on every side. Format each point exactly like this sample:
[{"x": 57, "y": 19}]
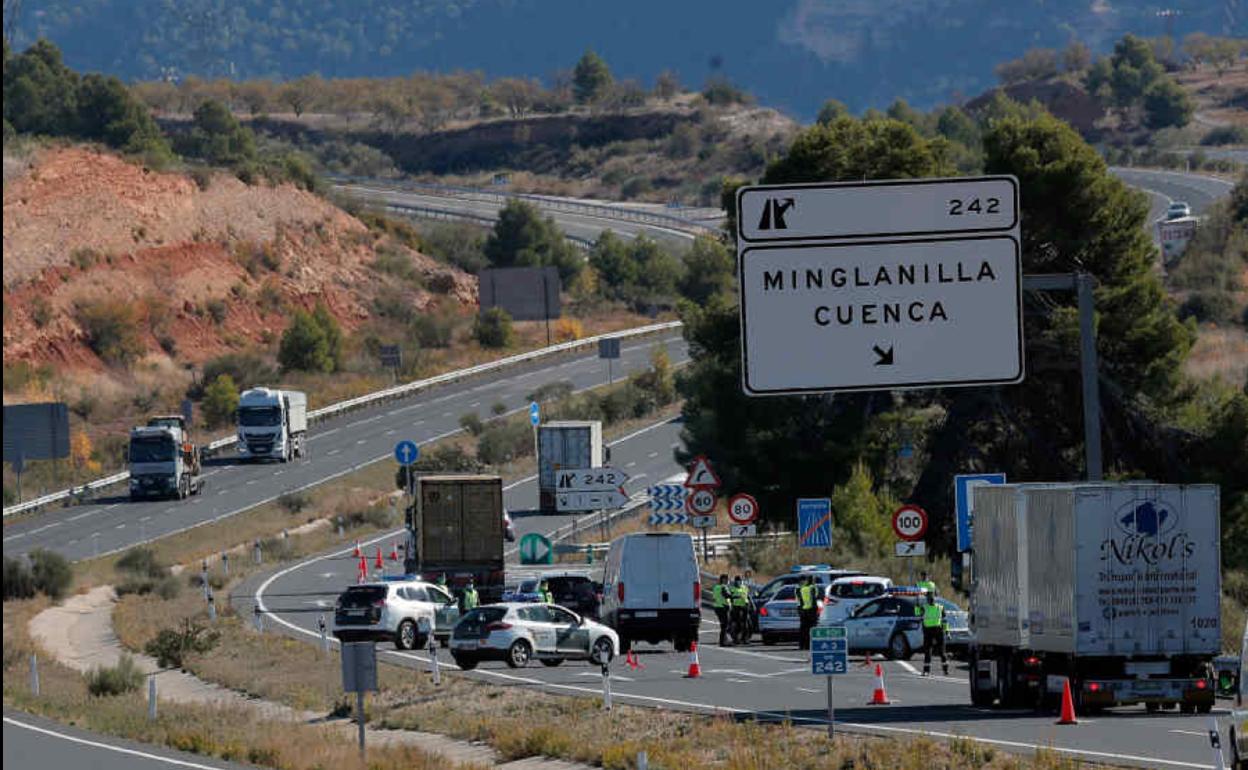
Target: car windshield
[
  {"x": 856, "y": 590},
  {"x": 787, "y": 593},
  {"x": 259, "y": 415},
  {"x": 362, "y": 596},
  {"x": 154, "y": 449},
  {"x": 482, "y": 615},
  {"x": 527, "y": 587}
]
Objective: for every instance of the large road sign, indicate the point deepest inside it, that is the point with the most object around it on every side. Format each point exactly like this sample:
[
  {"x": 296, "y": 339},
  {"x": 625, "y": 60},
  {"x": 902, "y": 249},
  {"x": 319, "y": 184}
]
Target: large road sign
[
  {"x": 814, "y": 522},
  {"x": 743, "y": 509},
  {"x": 829, "y": 650},
  {"x": 880, "y": 285},
  {"x": 406, "y": 452},
  {"x": 589, "y": 479},
  {"x": 590, "y": 501},
  {"x": 910, "y": 522},
  {"x": 965, "y": 505},
  {"x": 609, "y": 348},
  {"x": 536, "y": 549},
  {"x": 701, "y": 474},
  {"x": 701, "y": 501}
]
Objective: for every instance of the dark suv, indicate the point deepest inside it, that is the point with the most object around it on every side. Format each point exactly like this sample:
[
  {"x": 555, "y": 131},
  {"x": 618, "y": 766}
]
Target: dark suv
[{"x": 576, "y": 592}]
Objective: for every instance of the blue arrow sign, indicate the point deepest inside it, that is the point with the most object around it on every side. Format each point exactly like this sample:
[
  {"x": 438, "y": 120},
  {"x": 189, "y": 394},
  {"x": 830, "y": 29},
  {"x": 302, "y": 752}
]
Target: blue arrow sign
[
  {"x": 668, "y": 491},
  {"x": 535, "y": 413},
  {"x": 657, "y": 519},
  {"x": 962, "y": 485},
  {"x": 406, "y": 452}
]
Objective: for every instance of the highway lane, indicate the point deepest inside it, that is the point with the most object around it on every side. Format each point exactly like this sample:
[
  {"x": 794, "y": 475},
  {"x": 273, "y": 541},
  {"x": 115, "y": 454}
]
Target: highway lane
[
  {"x": 336, "y": 447},
  {"x": 1198, "y": 190},
  {"x": 31, "y": 741}
]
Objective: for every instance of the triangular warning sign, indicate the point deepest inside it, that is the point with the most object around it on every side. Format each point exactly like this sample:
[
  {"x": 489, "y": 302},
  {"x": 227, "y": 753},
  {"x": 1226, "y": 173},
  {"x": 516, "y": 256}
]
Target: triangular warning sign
[{"x": 701, "y": 474}]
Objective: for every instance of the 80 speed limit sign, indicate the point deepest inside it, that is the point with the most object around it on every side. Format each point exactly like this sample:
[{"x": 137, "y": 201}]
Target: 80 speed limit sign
[
  {"x": 743, "y": 509},
  {"x": 910, "y": 522}
]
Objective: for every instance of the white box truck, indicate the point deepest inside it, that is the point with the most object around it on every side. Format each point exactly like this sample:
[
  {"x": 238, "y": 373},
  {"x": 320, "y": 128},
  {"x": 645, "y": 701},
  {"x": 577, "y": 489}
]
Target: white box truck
[
  {"x": 565, "y": 444},
  {"x": 1113, "y": 587},
  {"x": 272, "y": 424}
]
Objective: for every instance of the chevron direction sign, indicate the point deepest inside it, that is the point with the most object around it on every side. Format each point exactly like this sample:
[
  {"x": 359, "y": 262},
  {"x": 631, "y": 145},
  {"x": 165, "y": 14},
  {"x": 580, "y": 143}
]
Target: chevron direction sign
[
  {"x": 667, "y": 497},
  {"x": 668, "y": 518}
]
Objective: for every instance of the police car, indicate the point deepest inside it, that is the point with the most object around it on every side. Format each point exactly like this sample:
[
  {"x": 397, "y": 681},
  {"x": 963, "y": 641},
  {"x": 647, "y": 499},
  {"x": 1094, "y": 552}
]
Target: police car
[
  {"x": 404, "y": 610},
  {"x": 823, "y": 575},
  {"x": 517, "y": 633},
  {"x": 849, "y": 593},
  {"x": 887, "y": 624}
]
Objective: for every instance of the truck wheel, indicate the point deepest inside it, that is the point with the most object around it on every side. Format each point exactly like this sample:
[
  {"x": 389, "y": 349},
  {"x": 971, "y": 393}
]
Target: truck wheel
[
  {"x": 519, "y": 654},
  {"x": 183, "y": 489},
  {"x": 405, "y": 637}
]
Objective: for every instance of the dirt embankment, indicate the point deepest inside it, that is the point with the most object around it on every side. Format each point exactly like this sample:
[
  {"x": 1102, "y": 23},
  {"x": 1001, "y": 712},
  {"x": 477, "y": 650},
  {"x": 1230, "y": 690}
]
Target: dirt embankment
[{"x": 206, "y": 265}]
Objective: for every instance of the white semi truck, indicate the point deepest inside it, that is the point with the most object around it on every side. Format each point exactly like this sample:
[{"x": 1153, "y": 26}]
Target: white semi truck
[
  {"x": 272, "y": 424},
  {"x": 163, "y": 460},
  {"x": 1112, "y": 587}
]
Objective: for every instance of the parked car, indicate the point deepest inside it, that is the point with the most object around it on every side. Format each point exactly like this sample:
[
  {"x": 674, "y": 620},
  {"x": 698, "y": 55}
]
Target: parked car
[
  {"x": 653, "y": 589},
  {"x": 1178, "y": 210},
  {"x": 518, "y": 633},
  {"x": 778, "y": 617},
  {"x": 823, "y": 574},
  {"x": 404, "y": 611},
  {"x": 888, "y": 625},
  {"x": 526, "y": 591},
  {"x": 847, "y": 594},
  {"x": 577, "y": 592}
]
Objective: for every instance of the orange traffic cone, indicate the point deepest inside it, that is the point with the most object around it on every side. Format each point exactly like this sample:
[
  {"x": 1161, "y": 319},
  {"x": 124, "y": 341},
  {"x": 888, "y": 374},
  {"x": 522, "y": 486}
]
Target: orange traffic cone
[
  {"x": 1068, "y": 707},
  {"x": 357, "y": 549},
  {"x": 879, "y": 697},
  {"x": 379, "y": 564},
  {"x": 632, "y": 661},
  {"x": 695, "y": 668},
  {"x": 394, "y": 552},
  {"x": 362, "y": 572}
]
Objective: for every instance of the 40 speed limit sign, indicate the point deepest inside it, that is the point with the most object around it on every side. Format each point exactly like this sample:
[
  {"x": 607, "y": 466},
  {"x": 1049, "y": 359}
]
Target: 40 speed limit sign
[
  {"x": 910, "y": 522},
  {"x": 743, "y": 509}
]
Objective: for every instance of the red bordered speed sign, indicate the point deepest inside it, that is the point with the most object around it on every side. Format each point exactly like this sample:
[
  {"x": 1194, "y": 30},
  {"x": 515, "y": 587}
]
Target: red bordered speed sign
[
  {"x": 743, "y": 509},
  {"x": 910, "y": 522}
]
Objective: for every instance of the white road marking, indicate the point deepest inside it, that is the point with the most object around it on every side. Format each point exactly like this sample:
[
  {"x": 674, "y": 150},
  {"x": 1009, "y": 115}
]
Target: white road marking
[
  {"x": 323, "y": 435},
  {"x": 446, "y": 414},
  {"x": 109, "y": 746},
  {"x": 391, "y": 432},
  {"x": 361, "y": 441},
  {"x": 1180, "y": 732},
  {"x": 907, "y": 666},
  {"x": 652, "y": 455},
  {"x": 808, "y": 689},
  {"x": 278, "y": 473},
  {"x": 120, "y": 526},
  {"x": 474, "y": 405},
  {"x": 614, "y": 677},
  {"x": 85, "y": 515},
  {"x": 333, "y": 451},
  {"x": 630, "y": 465}
]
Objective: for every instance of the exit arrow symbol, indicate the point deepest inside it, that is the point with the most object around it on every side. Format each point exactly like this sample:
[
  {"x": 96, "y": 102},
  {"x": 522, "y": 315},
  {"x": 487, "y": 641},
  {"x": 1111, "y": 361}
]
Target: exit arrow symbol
[{"x": 885, "y": 356}]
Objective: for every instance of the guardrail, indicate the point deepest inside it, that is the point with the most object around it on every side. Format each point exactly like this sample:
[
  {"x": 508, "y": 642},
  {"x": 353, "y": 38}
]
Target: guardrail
[
  {"x": 450, "y": 215},
  {"x": 716, "y": 544},
  {"x": 360, "y": 402},
  {"x": 542, "y": 201}
]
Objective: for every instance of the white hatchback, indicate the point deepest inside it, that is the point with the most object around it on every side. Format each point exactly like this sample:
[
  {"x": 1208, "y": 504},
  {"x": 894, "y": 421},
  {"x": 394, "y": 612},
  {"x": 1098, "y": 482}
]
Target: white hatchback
[
  {"x": 405, "y": 611},
  {"x": 518, "y": 632},
  {"x": 848, "y": 594}
]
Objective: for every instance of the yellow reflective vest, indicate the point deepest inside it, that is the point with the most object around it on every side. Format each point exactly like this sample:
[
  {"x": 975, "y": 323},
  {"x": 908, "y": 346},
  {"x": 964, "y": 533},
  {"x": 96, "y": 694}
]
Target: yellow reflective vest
[
  {"x": 740, "y": 596},
  {"x": 806, "y": 597},
  {"x": 719, "y": 595},
  {"x": 933, "y": 615},
  {"x": 470, "y": 599}
]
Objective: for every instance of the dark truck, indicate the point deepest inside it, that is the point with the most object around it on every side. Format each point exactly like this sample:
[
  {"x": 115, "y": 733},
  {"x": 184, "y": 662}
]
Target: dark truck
[{"x": 456, "y": 529}]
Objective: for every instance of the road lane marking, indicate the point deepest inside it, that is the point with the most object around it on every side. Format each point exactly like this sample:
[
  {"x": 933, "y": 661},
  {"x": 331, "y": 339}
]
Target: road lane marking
[
  {"x": 120, "y": 526},
  {"x": 652, "y": 455},
  {"x": 109, "y": 746},
  {"x": 630, "y": 465},
  {"x": 278, "y": 473},
  {"x": 808, "y": 689},
  {"x": 333, "y": 451},
  {"x": 85, "y": 515},
  {"x": 907, "y": 666},
  {"x": 323, "y": 435},
  {"x": 391, "y": 432}
]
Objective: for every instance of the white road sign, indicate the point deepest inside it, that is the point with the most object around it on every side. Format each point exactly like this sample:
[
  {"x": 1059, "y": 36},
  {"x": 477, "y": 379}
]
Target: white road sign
[
  {"x": 589, "y": 479},
  {"x": 743, "y": 530},
  {"x": 701, "y": 501},
  {"x": 743, "y": 508},
  {"x": 702, "y": 522},
  {"x": 589, "y": 501},
  {"x": 911, "y": 548},
  {"x": 871, "y": 286}
]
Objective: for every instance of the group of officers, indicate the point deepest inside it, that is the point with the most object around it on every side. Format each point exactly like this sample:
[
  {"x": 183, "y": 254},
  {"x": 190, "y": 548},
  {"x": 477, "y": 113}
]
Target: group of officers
[{"x": 733, "y": 604}]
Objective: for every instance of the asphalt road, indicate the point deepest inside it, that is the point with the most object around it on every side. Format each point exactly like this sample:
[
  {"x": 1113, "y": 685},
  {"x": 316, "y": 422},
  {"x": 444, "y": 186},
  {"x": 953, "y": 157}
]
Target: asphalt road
[
  {"x": 31, "y": 741},
  {"x": 337, "y": 447},
  {"x": 1199, "y": 191}
]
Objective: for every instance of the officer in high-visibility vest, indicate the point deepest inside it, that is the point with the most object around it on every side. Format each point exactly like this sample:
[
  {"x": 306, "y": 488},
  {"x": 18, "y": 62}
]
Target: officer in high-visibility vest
[
  {"x": 933, "y": 631},
  {"x": 741, "y": 608},
  {"x": 543, "y": 592},
  {"x": 719, "y": 600},
  {"x": 926, "y": 585},
  {"x": 470, "y": 599},
  {"x": 807, "y": 610},
  {"x": 442, "y": 579}
]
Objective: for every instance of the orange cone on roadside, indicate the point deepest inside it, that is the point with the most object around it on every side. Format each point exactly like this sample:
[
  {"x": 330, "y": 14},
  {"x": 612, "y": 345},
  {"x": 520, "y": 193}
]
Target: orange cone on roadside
[
  {"x": 632, "y": 660},
  {"x": 379, "y": 564},
  {"x": 363, "y": 570},
  {"x": 1068, "y": 707},
  {"x": 394, "y": 551},
  {"x": 357, "y": 554},
  {"x": 695, "y": 668},
  {"x": 879, "y": 697}
]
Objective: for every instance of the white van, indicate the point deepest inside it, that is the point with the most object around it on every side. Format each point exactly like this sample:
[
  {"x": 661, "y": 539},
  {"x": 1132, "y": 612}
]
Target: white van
[{"x": 652, "y": 590}]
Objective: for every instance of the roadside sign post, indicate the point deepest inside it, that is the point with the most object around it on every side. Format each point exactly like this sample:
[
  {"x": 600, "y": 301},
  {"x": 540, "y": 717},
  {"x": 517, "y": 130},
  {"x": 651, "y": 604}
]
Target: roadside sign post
[
  {"x": 606, "y": 685},
  {"x": 610, "y": 350},
  {"x": 151, "y": 697},
  {"x": 700, "y": 504},
  {"x": 814, "y": 522},
  {"x": 535, "y": 419},
  {"x": 964, "y": 502},
  {"x": 829, "y": 656},
  {"x": 359, "y": 674},
  {"x": 433, "y": 656},
  {"x": 34, "y": 675},
  {"x": 910, "y": 524}
]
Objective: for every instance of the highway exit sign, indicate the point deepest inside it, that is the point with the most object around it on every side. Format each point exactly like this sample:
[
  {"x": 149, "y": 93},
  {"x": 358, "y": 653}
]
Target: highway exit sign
[{"x": 880, "y": 285}]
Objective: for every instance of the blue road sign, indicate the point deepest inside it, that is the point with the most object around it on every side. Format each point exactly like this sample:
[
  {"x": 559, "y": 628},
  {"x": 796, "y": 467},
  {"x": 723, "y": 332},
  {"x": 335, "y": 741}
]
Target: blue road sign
[
  {"x": 535, "y": 413},
  {"x": 658, "y": 519},
  {"x": 829, "y": 651},
  {"x": 406, "y": 452},
  {"x": 814, "y": 522},
  {"x": 667, "y": 497},
  {"x": 962, "y": 500}
]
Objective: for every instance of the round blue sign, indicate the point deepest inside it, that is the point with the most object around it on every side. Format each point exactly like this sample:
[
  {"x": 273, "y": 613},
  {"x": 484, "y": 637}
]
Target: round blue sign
[
  {"x": 535, "y": 413},
  {"x": 406, "y": 452}
]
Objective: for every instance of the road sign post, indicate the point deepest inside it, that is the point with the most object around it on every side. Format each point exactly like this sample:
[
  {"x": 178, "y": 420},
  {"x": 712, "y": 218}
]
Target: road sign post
[
  {"x": 610, "y": 350},
  {"x": 964, "y": 503},
  {"x": 897, "y": 284},
  {"x": 814, "y": 522},
  {"x": 829, "y": 656},
  {"x": 359, "y": 674}
]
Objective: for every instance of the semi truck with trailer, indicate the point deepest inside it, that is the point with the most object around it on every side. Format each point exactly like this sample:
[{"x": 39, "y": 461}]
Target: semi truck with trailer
[
  {"x": 272, "y": 424},
  {"x": 455, "y": 528},
  {"x": 163, "y": 460},
  {"x": 565, "y": 444},
  {"x": 1112, "y": 587}
]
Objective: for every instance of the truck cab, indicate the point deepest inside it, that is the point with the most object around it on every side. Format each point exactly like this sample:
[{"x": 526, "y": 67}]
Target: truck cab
[
  {"x": 272, "y": 424},
  {"x": 163, "y": 463}
]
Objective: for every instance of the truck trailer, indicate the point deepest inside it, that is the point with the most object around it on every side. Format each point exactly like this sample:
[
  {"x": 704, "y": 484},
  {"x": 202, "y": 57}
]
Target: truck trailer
[
  {"x": 563, "y": 444},
  {"x": 272, "y": 424},
  {"x": 456, "y": 529},
  {"x": 1114, "y": 588}
]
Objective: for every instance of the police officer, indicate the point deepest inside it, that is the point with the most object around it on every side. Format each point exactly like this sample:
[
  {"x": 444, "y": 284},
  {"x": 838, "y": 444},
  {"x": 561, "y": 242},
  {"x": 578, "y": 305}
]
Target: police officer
[
  {"x": 807, "y": 610},
  {"x": 544, "y": 594},
  {"x": 933, "y": 632},
  {"x": 720, "y": 601},
  {"x": 925, "y": 585},
  {"x": 470, "y": 599},
  {"x": 740, "y": 609},
  {"x": 442, "y": 579}
]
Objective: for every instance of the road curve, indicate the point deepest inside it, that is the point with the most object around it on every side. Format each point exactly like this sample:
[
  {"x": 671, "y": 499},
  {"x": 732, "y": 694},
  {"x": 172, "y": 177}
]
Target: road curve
[{"x": 1198, "y": 190}]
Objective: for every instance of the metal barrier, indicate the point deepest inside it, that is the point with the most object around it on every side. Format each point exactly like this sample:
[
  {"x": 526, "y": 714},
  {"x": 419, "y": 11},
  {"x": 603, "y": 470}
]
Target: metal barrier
[
  {"x": 450, "y": 215},
  {"x": 360, "y": 402}
]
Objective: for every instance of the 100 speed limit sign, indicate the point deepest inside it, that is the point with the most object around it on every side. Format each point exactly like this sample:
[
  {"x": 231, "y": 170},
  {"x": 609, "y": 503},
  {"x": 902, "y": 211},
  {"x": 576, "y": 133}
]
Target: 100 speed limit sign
[{"x": 910, "y": 522}]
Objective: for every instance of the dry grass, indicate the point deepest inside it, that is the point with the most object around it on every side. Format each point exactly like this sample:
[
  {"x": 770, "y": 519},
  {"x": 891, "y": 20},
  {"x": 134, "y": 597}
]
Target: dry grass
[{"x": 1219, "y": 352}]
